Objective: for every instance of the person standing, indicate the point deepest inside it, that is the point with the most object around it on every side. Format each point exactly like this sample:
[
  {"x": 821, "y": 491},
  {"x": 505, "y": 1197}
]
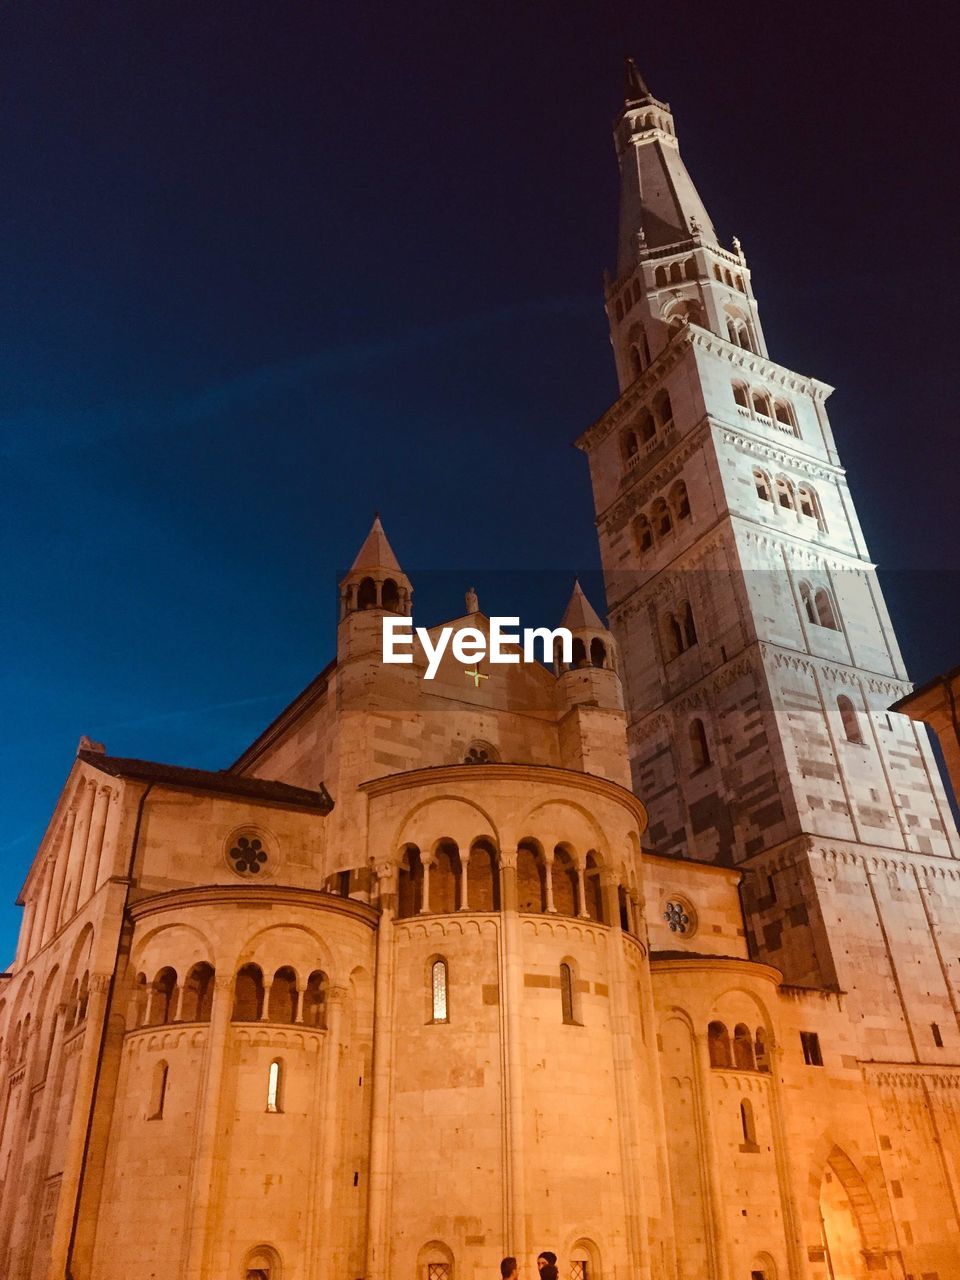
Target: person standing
[
  {"x": 546, "y": 1259},
  {"x": 508, "y": 1269}
]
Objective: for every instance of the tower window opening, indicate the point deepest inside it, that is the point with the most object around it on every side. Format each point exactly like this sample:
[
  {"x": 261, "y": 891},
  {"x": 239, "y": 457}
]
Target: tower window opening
[
  {"x": 937, "y": 1035},
  {"x": 747, "y": 1126},
  {"x": 275, "y": 1086},
  {"x": 438, "y": 990},
  {"x": 661, "y": 518},
  {"x": 642, "y": 534},
  {"x": 689, "y": 627},
  {"x": 646, "y": 427},
  {"x": 810, "y": 1046},
  {"x": 810, "y": 505},
  {"x": 740, "y": 284},
  {"x": 690, "y": 268},
  {"x": 390, "y": 596},
  {"x": 699, "y": 750},
  {"x": 761, "y": 404},
  {"x": 718, "y": 1045},
  {"x": 850, "y": 720},
  {"x": 629, "y": 445},
  {"x": 598, "y": 652},
  {"x": 740, "y": 395},
  {"x": 806, "y": 599},
  {"x": 743, "y": 1048},
  {"x": 367, "y": 594},
  {"x": 785, "y": 493},
  {"x": 718, "y": 274},
  {"x": 728, "y": 275},
  {"x": 663, "y": 409},
  {"x": 660, "y": 275},
  {"x": 635, "y": 362},
  {"x": 762, "y": 482},
  {"x": 566, "y": 995},
  {"x": 760, "y": 1050},
  {"x": 158, "y": 1093},
  {"x": 826, "y": 614},
  {"x": 680, "y": 501},
  {"x": 782, "y": 413},
  {"x": 676, "y": 273}
]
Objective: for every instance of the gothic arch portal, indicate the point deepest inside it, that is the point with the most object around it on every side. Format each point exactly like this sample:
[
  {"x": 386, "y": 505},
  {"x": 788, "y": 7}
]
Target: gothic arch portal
[{"x": 852, "y": 1231}]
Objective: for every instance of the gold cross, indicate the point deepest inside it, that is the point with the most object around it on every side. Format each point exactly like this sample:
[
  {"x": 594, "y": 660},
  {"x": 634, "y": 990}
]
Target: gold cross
[{"x": 476, "y": 675}]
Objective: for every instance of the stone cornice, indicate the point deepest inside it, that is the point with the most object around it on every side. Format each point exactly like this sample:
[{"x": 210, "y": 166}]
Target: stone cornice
[
  {"x": 761, "y": 366},
  {"x": 215, "y": 895},
  {"x": 814, "y": 554},
  {"x": 723, "y": 964},
  {"x": 774, "y": 450},
  {"x": 834, "y": 669},
  {"x": 912, "y": 1074},
  {"x": 549, "y": 775}
]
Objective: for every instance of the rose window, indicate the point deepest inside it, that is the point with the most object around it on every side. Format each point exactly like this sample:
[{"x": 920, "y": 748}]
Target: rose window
[
  {"x": 677, "y": 917},
  {"x": 248, "y": 855}
]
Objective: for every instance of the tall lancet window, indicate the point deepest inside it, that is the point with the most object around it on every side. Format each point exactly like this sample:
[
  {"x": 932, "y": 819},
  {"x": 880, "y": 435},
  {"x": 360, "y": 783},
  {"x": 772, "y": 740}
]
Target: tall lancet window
[
  {"x": 438, "y": 989},
  {"x": 275, "y": 1086}
]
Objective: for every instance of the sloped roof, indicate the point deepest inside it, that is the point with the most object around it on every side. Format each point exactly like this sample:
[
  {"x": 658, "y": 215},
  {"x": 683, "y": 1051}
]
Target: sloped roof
[
  {"x": 580, "y": 614},
  {"x": 376, "y": 552},
  {"x": 217, "y": 781}
]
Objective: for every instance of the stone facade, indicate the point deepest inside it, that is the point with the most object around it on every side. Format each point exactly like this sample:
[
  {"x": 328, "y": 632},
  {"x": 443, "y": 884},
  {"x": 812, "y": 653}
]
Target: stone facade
[{"x": 415, "y": 984}]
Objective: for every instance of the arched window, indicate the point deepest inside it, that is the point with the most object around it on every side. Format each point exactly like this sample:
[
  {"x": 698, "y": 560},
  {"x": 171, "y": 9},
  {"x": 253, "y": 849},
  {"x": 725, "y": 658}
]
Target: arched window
[
  {"x": 672, "y": 637},
  {"x": 676, "y": 273},
  {"x": 660, "y": 515},
  {"x": 740, "y": 284},
  {"x": 164, "y": 1003},
  {"x": 806, "y": 599},
  {"x": 679, "y": 501},
  {"x": 741, "y": 395},
  {"x": 410, "y": 883},
  {"x": 483, "y": 878},
  {"x": 690, "y": 268},
  {"x": 445, "y": 876},
  {"x": 718, "y": 1045},
  {"x": 563, "y": 875},
  {"x": 568, "y": 995},
  {"x": 593, "y": 889},
  {"x": 761, "y": 403},
  {"x": 275, "y": 1086},
  {"x": 197, "y": 1001},
  {"x": 438, "y": 991},
  {"x": 743, "y": 1047},
  {"x": 699, "y": 750},
  {"x": 248, "y": 994},
  {"x": 717, "y": 273},
  {"x": 623, "y": 901},
  {"x": 660, "y": 275},
  {"x": 531, "y": 879},
  {"x": 642, "y": 533},
  {"x": 809, "y": 506},
  {"x": 785, "y": 493},
  {"x": 826, "y": 614},
  {"x": 636, "y": 363},
  {"x": 762, "y": 482},
  {"x": 747, "y": 1126},
  {"x": 783, "y": 413},
  {"x": 646, "y": 426},
  {"x": 598, "y": 652},
  {"x": 728, "y": 276},
  {"x": 367, "y": 594},
  {"x": 262, "y": 1263},
  {"x": 850, "y": 720},
  {"x": 663, "y": 410},
  {"x": 579, "y": 653},
  {"x": 629, "y": 446},
  {"x": 760, "y": 1049},
  {"x": 644, "y": 344},
  {"x": 158, "y": 1091},
  {"x": 315, "y": 1000},
  {"x": 689, "y": 627},
  {"x": 282, "y": 1005},
  {"x": 390, "y": 596}
]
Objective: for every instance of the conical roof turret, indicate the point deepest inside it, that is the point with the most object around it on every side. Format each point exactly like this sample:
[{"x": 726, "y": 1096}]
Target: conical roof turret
[{"x": 375, "y": 579}]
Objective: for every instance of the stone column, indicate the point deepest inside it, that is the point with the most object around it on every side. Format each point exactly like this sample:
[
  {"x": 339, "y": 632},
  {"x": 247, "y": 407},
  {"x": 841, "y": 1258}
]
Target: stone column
[
  {"x": 511, "y": 995},
  {"x": 717, "y": 1218},
  {"x": 797, "y": 1258},
  {"x": 426, "y": 863},
  {"x": 265, "y": 1009},
  {"x": 52, "y": 918},
  {"x": 91, "y": 857},
  {"x": 464, "y": 882},
  {"x": 78, "y": 847},
  {"x": 200, "y": 1200},
  {"x": 548, "y": 878},
  {"x": 77, "y": 1131},
  {"x": 582, "y": 912},
  {"x": 378, "y": 1202},
  {"x": 327, "y": 1155},
  {"x": 298, "y": 1016}
]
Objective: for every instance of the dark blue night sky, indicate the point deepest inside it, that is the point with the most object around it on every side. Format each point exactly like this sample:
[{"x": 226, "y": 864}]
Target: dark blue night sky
[{"x": 266, "y": 268}]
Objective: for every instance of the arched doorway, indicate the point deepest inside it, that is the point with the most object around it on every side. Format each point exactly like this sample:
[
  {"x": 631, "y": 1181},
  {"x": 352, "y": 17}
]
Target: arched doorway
[{"x": 850, "y": 1225}]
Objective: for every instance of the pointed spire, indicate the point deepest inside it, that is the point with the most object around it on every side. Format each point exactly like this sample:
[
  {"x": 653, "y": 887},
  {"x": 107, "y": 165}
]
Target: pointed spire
[
  {"x": 580, "y": 614},
  {"x": 637, "y": 88},
  {"x": 376, "y": 552}
]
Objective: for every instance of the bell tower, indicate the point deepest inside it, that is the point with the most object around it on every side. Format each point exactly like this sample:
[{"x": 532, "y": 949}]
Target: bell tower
[{"x": 757, "y": 654}]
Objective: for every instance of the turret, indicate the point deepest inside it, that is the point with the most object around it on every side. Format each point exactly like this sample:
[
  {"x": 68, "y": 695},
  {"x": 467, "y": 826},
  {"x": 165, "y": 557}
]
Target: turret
[
  {"x": 593, "y": 727},
  {"x": 375, "y": 579}
]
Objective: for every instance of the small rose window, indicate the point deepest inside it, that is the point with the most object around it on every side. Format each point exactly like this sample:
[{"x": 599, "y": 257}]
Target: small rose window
[
  {"x": 248, "y": 855},
  {"x": 677, "y": 917}
]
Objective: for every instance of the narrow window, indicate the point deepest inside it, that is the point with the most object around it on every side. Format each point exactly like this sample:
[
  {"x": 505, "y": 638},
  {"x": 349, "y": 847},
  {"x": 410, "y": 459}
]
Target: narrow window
[
  {"x": 660, "y": 275},
  {"x": 699, "y": 750},
  {"x": 810, "y": 1044},
  {"x": 635, "y": 361},
  {"x": 747, "y": 1126},
  {"x": 438, "y": 987},
  {"x": 275, "y": 1086},
  {"x": 598, "y": 652},
  {"x": 808, "y": 503},
  {"x": 642, "y": 533},
  {"x": 743, "y": 1048},
  {"x": 729, "y": 278},
  {"x": 761, "y": 404},
  {"x": 566, "y": 994},
  {"x": 629, "y": 445},
  {"x": 760, "y": 1048},
  {"x": 663, "y": 409},
  {"x": 763, "y": 486},
  {"x": 826, "y": 615},
  {"x": 673, "y": 637},
  {"x": 690, "y": 268},
  {"x": 661, "y": 518},
  {"x": 644, "y": 344},
  {"x": 680, "y": 501},
  {"x": 676, "y": 272},
  {"x": 848, "y": 717},
  {"x": 781, "y": 411},
  {"x": 689, "y": 627},
  {"x": 717, "y": 273},
  {"x": 158, "y": 1092},
  {"x": 646, "y": 427},
  {"x": 806, "y": 599},
  {"x": 785, "y": 493},
  {"x": 367, "y": 595},
  {"x": 937, "y": 1037}
]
